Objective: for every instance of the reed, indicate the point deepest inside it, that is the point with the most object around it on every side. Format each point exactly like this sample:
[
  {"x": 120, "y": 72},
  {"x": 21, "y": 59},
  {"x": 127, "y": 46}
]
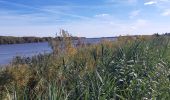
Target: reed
[{"x": 128, "y": 68}]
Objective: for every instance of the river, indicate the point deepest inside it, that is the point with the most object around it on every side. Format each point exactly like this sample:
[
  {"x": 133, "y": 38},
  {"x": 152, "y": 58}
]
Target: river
[{"x": 8, "y": 52}]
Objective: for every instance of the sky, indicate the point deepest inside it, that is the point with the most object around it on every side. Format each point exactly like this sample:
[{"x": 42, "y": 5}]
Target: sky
[{"x": 85, "y": 18}]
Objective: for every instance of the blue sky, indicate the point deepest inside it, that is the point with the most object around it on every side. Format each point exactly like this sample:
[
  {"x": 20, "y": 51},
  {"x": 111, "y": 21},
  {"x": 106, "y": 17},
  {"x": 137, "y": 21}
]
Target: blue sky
[{"x": 89, "y": 18}]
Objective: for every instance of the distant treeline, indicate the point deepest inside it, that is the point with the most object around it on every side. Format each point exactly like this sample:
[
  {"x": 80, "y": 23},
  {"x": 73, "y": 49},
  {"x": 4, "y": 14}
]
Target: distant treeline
[
  {"x": 163, "y": 34},
  {"x": 167, "y": 34},
  {"x": 19, "y": 40}
]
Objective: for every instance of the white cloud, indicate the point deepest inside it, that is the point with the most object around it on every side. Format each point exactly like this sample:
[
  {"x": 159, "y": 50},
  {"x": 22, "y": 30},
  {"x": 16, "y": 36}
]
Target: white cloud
[
  {"x": 139, "y": 26},
  {"x": 59, "y": 10},
  {"x": 164, "y": 0},
  {"x": 99, "y": 28},
  {"x": 157, "y": 2},
  {"x": 103, "y": 24},
  {"x": 162, "y": 5},
  {"x": 139, "y": 23},
  {"x": 102, "y": 15},
  {"x": 41, "y": 31},
  {"x": 166, "y": 12},
  {"x": 95, "y": 27},
  {"x": 123, "y": 1},
  {"x": 134, "y": 13},
  {"x": 132, "y": 1},
  {"x": 13, "y": 18},
  {"x": 150, "y": 3}
]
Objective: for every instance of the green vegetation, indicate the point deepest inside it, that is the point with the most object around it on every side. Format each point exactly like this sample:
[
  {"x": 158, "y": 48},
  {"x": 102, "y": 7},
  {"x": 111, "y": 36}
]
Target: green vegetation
[
  {"x": 19, "y": 40},
  {"x": 126, "y": 69}
]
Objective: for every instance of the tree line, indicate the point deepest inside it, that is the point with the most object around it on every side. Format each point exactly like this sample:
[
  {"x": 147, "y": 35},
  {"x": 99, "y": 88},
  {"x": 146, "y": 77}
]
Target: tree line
[{"x": 19, "y": 40}]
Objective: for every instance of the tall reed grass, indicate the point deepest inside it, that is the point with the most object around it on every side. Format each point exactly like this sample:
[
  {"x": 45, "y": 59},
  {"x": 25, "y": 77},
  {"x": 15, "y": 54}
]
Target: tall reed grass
[{"x": 126, "y": 69}]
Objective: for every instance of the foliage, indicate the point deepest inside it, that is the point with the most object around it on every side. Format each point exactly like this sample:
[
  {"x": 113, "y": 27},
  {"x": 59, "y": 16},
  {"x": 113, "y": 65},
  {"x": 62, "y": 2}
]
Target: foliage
[
  {"x": 19, "y": 40},
  {"x": 128, "y": 68}
]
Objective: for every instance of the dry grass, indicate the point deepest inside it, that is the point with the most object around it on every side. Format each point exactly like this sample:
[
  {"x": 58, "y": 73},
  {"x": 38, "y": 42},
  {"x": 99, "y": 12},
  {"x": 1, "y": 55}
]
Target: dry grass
[{"x": 128, "y": 68}]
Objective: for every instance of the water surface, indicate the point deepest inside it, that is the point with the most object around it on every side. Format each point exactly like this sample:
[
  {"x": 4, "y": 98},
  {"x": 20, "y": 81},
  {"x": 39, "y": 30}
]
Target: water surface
[{"x": 8, "y": 52}]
